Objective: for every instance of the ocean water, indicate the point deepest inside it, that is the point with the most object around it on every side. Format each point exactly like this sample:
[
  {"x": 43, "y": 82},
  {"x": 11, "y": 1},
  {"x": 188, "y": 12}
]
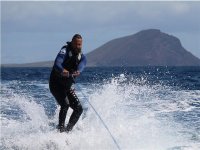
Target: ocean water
[{"x": 144, "y": 108}]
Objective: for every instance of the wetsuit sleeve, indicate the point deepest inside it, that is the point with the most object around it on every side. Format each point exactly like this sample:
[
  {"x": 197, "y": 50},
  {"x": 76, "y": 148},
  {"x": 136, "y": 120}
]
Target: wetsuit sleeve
[
  {"x": 60, "y": 59},
  {"x": 82, "y": 64}
]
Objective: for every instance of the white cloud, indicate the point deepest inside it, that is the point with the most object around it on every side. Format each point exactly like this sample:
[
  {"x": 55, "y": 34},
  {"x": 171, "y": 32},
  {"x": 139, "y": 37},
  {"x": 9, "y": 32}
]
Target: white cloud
[
  {"x": 97, "y": 21},
  {"x": 91, "y": 13},
  {"x": 180, "y": 8}
]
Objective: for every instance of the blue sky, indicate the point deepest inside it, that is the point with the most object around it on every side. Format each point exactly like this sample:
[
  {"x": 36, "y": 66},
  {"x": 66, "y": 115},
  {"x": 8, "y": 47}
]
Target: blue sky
[{"x": 35, "y": 31}]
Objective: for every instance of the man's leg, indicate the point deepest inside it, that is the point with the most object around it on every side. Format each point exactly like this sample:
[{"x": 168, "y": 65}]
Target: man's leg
[
  {"x": 61, "y": 97},
  {"x": 75, "y": 104},
  {"x": 62, "y": 117}
]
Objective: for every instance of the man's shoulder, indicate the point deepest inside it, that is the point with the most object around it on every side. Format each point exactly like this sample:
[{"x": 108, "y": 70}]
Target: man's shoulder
[
  {"x": 64, "y": 50},
  {"x": 83, "y": 55}
]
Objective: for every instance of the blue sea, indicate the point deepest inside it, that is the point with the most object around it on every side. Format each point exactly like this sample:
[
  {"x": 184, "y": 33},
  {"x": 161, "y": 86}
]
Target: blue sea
[{"x": 144, "y": 108}]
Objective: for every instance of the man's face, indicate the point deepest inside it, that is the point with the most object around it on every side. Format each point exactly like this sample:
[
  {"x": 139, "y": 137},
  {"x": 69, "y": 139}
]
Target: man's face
[{"x": 77, "y": 45}]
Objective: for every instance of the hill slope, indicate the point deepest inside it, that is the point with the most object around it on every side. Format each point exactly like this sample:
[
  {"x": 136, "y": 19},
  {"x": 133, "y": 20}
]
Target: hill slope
[
  {"x": 36, "y": 64},
  {"x": 148, "y": 47}
]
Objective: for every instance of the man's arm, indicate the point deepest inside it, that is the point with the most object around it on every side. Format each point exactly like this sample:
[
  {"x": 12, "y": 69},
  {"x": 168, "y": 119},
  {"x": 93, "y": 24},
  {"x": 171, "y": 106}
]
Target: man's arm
[
  {"x": 82, "y": 64},
  {"x": 59, "y": 60}
]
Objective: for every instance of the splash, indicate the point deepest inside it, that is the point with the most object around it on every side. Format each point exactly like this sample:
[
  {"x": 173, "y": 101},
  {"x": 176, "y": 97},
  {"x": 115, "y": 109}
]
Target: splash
[{"x": 140, "y": 116}]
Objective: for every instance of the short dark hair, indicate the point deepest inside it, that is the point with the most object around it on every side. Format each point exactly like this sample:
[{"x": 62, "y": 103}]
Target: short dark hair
[{"x": 76, "y": 36}]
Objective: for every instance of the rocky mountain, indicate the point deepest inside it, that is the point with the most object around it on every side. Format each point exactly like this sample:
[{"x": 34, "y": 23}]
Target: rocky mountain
[{"x": 146, "y": 48}]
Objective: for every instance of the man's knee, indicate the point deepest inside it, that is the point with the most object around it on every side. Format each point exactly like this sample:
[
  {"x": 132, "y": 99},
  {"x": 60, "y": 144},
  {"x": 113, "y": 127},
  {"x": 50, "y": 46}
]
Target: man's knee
[
  {"x": 64, "y": 108},
  {"x": 79, "y": 109},
  {"x": 74, "y": 102}
]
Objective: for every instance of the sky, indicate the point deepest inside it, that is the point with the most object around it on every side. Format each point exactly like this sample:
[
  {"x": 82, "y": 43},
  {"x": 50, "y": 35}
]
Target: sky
[{"x": 35, "y": 31}]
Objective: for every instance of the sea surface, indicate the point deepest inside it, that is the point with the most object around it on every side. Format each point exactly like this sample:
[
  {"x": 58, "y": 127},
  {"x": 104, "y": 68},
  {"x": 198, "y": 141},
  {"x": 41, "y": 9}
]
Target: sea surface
[{"x": 144, "y": 108}]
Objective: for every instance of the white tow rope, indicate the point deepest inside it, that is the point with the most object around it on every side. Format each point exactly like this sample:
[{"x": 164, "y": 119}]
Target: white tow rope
[{"x": 104, "y": 124}]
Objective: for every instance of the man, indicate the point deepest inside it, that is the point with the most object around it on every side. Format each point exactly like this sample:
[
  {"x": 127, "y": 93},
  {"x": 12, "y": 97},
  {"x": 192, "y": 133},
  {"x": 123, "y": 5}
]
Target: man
[{"x": 69, "y": 63}]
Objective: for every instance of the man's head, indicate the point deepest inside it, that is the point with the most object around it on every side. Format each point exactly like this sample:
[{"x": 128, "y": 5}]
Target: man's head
[{"x": 77, "y": 43}]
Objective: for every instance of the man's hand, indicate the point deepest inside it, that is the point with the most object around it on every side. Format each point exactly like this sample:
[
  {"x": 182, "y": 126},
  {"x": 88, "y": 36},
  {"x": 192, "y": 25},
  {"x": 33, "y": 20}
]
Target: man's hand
[
  {"x": 76, "y": 73},
  {"x": 65, "y": 73}
]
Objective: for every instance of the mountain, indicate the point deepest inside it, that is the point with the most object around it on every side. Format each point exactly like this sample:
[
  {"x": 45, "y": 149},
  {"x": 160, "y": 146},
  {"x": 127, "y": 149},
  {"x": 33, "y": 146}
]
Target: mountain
[
  {"x": 36, "y": 64},
  {"x": 146, "y": 48}
]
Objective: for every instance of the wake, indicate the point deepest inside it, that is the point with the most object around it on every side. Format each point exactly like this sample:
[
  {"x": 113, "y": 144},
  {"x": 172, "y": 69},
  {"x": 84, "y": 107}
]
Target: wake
[{"x": 138, "y": 115}]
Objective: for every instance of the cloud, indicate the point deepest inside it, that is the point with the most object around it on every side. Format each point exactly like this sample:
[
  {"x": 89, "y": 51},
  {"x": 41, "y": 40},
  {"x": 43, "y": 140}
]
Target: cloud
[
  {"x": 98, "y": 21},
  {"x": 180, "y": 8},
  {"x": 57, "y": 16}
]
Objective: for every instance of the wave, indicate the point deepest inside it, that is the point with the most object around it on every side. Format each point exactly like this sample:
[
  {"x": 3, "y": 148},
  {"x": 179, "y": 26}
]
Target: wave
[{"x": 139, "y": 115}]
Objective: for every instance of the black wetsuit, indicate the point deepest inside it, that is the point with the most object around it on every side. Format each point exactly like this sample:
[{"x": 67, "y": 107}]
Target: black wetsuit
[{"x": 60, "y": 86}]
